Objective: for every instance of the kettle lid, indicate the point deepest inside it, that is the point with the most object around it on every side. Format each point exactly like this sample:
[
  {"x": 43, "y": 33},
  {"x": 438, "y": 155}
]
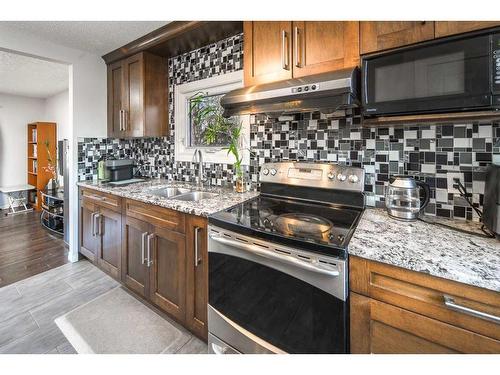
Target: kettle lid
[{"x": 402, "y": 181}]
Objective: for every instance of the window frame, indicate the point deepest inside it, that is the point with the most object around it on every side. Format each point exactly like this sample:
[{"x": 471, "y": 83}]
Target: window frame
[{"x": 216, "y": 85}]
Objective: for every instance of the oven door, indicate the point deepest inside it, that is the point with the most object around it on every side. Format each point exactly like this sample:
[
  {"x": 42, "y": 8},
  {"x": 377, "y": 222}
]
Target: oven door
[
  {"x": 266, "y": 298},
  {"x": 447, "y": 76}
]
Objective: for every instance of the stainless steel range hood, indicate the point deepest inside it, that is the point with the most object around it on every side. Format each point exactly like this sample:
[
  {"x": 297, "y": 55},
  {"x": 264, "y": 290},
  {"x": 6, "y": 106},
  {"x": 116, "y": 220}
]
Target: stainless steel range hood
[{"x": 326, "y": 92}]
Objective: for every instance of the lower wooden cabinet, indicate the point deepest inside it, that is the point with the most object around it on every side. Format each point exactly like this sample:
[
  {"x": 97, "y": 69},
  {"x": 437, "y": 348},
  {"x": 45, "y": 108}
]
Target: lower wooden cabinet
[
  {"x": 158, "y": 253},
  {"x": 393, "y": 310},
  {"x": 197, "y": 275},
  {"x": 166, "y": 256}
]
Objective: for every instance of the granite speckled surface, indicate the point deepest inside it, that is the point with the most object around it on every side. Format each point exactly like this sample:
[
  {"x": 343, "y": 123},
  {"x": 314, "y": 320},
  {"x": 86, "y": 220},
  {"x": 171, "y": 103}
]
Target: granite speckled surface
[
  {"x": 142, "y": 191},
  {"x": 429, "y": 248}
]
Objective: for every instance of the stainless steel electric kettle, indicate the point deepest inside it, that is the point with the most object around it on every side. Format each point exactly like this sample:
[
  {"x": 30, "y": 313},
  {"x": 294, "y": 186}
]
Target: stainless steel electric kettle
[{"x": 405, "y": 197}]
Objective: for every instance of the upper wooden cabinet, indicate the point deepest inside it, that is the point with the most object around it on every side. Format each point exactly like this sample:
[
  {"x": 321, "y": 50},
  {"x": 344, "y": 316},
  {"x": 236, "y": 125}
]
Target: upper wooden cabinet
[
  {"x": 137, "y": 97},
  {"x": 382, "y": 35},
  {"x": 324, "y": 46},
  {"x": 277, "y": 51},
  {"x": 445, "y": 28},
  {"x": 267, "y": 51}
]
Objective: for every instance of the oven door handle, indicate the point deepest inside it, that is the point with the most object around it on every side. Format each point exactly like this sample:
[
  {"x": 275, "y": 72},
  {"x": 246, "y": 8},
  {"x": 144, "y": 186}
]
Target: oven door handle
[{"x": 271, "y": 255}]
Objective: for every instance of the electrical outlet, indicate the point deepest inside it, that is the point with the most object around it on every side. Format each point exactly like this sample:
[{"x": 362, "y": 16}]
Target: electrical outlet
[{"x": 452, "y": 175}]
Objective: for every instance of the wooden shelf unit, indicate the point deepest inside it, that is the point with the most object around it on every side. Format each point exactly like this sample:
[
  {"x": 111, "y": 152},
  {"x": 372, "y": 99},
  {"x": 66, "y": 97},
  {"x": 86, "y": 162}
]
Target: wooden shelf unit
[{"x": 37, "y": 157}]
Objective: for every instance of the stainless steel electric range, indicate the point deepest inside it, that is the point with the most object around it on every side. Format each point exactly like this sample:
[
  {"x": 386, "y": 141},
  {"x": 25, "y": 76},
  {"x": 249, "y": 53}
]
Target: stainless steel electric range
[{"x": 278, "y": 263}]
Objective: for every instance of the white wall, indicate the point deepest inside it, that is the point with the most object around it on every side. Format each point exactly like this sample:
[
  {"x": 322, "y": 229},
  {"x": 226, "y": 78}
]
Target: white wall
[
  {"x": 16, "y": 112},
  {"x": 87, "y": 100},
  {"x": 57, "y": 110}
]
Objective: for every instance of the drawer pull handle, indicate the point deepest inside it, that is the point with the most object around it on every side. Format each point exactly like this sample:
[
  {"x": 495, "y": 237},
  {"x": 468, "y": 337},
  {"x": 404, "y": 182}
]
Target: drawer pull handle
[
  {"x": 450, "y": 303},
  {"x": 197, "y": 260},
  {"x": 96, "y": 197}
]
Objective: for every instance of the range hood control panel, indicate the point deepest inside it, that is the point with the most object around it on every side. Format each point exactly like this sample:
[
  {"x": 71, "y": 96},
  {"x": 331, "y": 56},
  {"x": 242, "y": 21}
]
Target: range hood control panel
[
  {"x": 322, "y": 175},
  {"x": 306, "y": 88}
]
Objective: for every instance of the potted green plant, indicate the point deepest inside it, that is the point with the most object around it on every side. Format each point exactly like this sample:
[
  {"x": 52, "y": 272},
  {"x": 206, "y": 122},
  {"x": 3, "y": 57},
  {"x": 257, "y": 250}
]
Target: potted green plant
[{"x": 219, "y": 127}]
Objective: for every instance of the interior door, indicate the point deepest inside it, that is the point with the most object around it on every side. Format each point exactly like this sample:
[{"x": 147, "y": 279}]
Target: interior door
[
  {"x": 134, "y": 96},
  {"x": 267, "y": 51},
  {"x": 320, "y": 47},
  {"x": 88, "y": 239},
  {"x": 115, "y": 99},
  {"x": 197, "y": 275},
  {"x": 134, "y": 269},
  {"x": 167, "y": 262},
  {"x": 109, "y": 254},
  {"x": 381, "y": 35}
]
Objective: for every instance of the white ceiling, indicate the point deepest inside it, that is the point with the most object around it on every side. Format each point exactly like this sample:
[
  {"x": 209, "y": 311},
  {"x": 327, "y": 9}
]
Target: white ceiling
[
  {"x": 28, "y": 76},
  {"x": 98, "y": 37}
]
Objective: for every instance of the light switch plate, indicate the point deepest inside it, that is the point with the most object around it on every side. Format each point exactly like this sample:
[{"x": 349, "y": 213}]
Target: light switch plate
[{"x": 452, "y": 175}]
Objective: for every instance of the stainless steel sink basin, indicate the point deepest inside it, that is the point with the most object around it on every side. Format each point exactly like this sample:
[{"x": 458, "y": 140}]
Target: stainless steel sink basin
[
  {"x": 195, "y": 196},
  {"x": 168, "y": 192}
]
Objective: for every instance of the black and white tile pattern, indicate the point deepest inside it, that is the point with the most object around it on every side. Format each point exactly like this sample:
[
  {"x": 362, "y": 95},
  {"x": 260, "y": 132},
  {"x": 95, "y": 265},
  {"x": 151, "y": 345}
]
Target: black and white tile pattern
[{"x": 432, "y": 153}]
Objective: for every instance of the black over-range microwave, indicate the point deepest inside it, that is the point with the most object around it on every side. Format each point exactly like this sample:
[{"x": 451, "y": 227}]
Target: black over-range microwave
[{"x": 451, "y": 75}]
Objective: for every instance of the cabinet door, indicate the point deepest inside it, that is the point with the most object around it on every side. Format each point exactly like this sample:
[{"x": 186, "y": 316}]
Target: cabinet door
[
  {"x": 381, "y": 35},
  {"x": 134, "y": 95},
  {"x": 88, "y": 238},
  {"x": 445, "y": 28},
  {"x": 377, "y": 327},
  {"x": 196, "y": 275},
  {"x": 134, "y": 270},
  {"x": 320, "y": 47},
  {"x": 115, "y": 99},
  {"x": 267, "y": 51},
  {"x": 109, "y": 233},
  {"x": 167, "y": 262}
]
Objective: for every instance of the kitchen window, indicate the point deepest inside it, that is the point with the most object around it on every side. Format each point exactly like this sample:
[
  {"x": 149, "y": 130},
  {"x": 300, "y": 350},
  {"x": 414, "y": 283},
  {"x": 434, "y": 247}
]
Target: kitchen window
[{"x": 189, "y": 134}]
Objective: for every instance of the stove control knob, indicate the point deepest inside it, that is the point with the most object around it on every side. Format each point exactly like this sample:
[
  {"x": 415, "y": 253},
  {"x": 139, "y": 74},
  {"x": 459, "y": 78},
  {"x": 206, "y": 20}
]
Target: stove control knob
[
  {"x": 273, "y": 172},
  {"x": 265, "y": 171},
  {"x": 331, "y": 176},
  {"x": 341, "y": 177},
  {"x": 353, "y": 178}
]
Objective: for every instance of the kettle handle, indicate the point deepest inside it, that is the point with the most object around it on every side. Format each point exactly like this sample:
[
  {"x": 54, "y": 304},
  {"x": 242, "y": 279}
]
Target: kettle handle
[{"x": 427, "y": 194}]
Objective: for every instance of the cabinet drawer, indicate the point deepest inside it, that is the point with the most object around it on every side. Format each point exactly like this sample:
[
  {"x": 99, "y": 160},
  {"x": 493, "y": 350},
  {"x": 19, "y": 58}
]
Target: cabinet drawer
[
  {"x": 110, "y": 201},
  {"x": 444, "y": 300},
  {"x": 157, "y": 216},
  {"x": 396, "y": 330}
]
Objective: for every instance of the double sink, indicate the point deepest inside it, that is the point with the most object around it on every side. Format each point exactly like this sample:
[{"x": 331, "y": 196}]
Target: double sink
[{"x": 182, "y": 194}]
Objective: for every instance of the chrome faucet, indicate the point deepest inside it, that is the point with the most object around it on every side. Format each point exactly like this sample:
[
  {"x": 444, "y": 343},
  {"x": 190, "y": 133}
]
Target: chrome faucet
[{"x": 198, "y": 158}]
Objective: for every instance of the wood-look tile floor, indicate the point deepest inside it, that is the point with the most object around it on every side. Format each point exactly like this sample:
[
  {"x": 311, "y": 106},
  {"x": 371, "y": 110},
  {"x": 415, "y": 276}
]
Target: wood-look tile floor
[
  {"x": 29, "y": 307},
  {"x": 26, "y": 248}
]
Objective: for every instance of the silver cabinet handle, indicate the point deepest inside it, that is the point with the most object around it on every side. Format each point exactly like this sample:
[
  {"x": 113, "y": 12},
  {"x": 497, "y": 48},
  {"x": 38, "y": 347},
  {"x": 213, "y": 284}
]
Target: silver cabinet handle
[
  {"x": 450, "y": 303},
  {"x": 98, "y": 219},
  {"x": 95, "y": 197},
  {"x": 271, "y": 255},
  {"x": 121, "y": 119},
  {"x": 284, "y": 50},
  {"x": 143, "y": 257},
  {"x": 92, "y": 223},
  {"x": 296, "y": 46},
  {"x": 197, "y": 260},
  {"x": 125, "y": 120},
  {"x": 151, "y": 238}
]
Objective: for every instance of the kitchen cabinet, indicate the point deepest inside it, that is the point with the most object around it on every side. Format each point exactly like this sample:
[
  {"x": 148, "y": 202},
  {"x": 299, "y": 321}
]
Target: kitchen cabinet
[
  {"x": 320, "y": 47},
  {"x": 276, "y": 51},
  {"x": 446, "y": 28},
  {"x": 394, "y": 310},
  {"x": 267, "y": 51},
  {"x": 134, "y": 272},
  {"x": 158, "y": 253},
  {"x": 197, "y": 275},
  {"x": 100, "y": 230},
  {"x": 168, "y": 271},
  {"x": 137, "y": 97},
  {"x": 381, "y": 35}
]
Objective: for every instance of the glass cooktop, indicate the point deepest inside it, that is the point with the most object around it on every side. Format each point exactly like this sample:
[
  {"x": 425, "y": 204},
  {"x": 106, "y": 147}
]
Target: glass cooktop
[{"x": 313, "y": 226}]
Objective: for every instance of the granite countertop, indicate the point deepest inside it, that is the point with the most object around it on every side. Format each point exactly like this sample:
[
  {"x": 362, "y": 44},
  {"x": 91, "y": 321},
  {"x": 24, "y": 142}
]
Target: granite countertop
[
  {"x": 141, "y": 191},
  {"x": 430, "y": 247}
]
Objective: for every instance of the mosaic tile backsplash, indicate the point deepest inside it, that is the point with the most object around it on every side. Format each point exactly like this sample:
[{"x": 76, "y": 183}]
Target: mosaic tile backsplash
[{"x": 432, "y": 153}]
